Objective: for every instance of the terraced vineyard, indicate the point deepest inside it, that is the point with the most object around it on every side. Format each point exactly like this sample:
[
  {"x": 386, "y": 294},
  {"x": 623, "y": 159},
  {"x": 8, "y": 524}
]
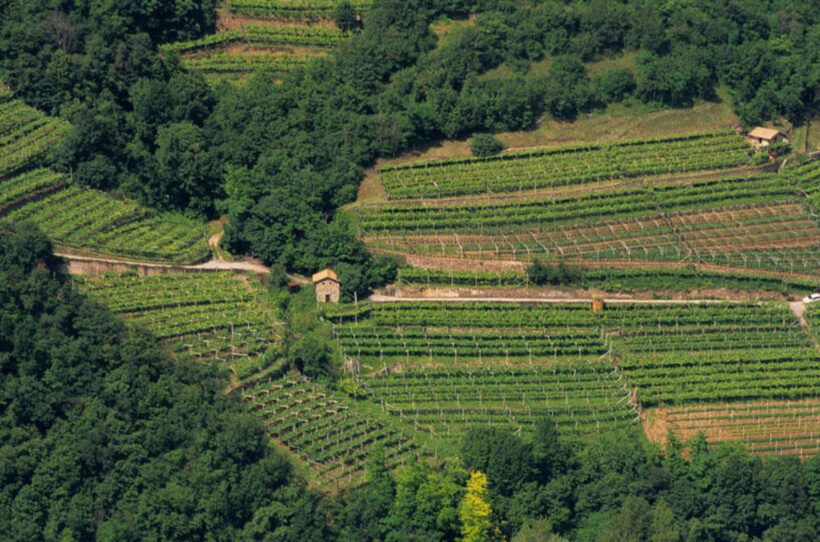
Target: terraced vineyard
[
  {"x": 25, "y": 134},
  {"x": 274, "y": 37},
  {"x": 581, "y": 397},
  {"x": 243, "y": 63},
  {"x": 550, "y": 168},
  {"x": 292, "y": 9},
  {"x": 222, "y": 318},
  {"x": 471, "y": 332},
  {"x": 611, "y": 279},
  {"x": 476, "y": 278},
  {"x": 446, "y": 366},
  {"x": 94, "y": 222},
  {"x": 261, "y": 35},
  {"x": 89, "y": 220},
  {"x": 214, "y": 317},
  {"x": 327, "y": 430},
  {"x": 780, "y": 427},
  {"x": 807, "y": 179},
  {"x": 752, "y": 221},
  {"x": 736, "y": 371},
  {"x": 679, "y": 354}
]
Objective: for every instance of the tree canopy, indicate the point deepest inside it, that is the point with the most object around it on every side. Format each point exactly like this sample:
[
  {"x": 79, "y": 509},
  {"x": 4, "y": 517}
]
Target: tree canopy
[
  {"x": 104, "y": 436},
  {"x": 279, "y": 158}
]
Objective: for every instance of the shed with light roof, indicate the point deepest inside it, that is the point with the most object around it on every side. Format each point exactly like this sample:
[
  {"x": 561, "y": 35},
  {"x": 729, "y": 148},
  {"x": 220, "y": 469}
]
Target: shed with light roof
[{"x": 327, "y": 286}]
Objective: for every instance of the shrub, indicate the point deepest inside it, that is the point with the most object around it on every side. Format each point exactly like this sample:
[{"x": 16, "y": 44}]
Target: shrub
[
  {"x": 310, "y": 356},
  {"x": 345, "y": 16},
  {"x": 485, "y": 145},
  {"x": 541, "y": 273}
]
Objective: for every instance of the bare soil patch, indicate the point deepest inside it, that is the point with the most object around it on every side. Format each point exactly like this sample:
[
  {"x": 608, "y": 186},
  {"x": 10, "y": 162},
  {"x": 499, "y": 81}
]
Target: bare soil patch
[
  {"x": 655, "y": 425},
  {"x": 789, "y": 426},
  {"x": 227, "y": 21}
]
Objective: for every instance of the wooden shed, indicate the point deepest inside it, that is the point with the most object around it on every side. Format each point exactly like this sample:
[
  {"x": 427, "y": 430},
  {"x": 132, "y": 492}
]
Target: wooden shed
[
  {"x": 763, "y": 137},
  {"x": 327, "y": 286}
]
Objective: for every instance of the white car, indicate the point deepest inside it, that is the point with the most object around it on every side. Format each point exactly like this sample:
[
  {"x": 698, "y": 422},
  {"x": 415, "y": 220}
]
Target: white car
[{"x": 811, "y": 298}]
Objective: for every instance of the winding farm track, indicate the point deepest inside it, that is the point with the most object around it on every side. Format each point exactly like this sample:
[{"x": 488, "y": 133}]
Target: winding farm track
[
  {"x": 79, "y": 262},
  {"x": 81, "y": 265}
]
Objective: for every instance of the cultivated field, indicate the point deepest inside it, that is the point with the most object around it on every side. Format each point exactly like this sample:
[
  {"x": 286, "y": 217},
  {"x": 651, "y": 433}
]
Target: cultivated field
[
  {"x": 748, "y": 220},
  {"x": 693, "y": 353},
  {"x": 553, "y": 167},
  {"x": 444, "y": 400},
  {"x": 223, "y": 318},
  {"x": 767, "y": 427},
  {"x": 448, "y": 366},
  {"x": 668, "y": 280},
  {"x": 271, "y": 36},
  {"x": 327, "y": 430},
  {"x": 631, "y": 212},
  {"x": 215, "y": 317},
  {"x": 25, "y": 134},
  {"x": 296, "y": 9}
]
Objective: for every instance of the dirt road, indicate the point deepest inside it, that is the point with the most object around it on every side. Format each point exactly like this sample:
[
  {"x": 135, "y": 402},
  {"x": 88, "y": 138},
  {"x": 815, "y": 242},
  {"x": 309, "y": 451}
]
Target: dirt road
[
  {"x": 379, "y": 298},
  {"x": 79, "y": 261}
]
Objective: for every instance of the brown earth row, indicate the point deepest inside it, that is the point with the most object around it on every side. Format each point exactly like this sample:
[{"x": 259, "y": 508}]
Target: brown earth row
[
  {"x": 227, "y": 21},
  {"x": 739, "y": 406},
  {"x": 801, "y": 432},
  {"x": 660, "y": 221},
  {"x": 806, "y": 236},
  {"x": 461, "y": 264},
  {"x": 580, "y": 236}
]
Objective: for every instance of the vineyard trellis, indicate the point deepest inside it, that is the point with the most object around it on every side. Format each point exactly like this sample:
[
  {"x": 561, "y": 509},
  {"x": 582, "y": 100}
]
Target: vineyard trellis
[
  {"x": 447, "y": 366},
  {"x": 292, "y": 9},
  {"x": 213, "y": 317},
  {"x": 550, "y": 168},
  {"x": 755, "y": 222}
]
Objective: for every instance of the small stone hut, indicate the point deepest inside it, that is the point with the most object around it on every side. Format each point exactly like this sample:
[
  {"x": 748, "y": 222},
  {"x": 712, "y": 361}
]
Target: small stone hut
[
  {"x": 327, "y": 286},
  {"x": 763, "y": 137}
]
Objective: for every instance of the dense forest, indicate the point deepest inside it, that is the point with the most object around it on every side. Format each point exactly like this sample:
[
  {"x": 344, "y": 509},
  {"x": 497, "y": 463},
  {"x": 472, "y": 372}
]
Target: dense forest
[
  {"x": 105, "y": 435},
  {"x": 278, "y": 159}
]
